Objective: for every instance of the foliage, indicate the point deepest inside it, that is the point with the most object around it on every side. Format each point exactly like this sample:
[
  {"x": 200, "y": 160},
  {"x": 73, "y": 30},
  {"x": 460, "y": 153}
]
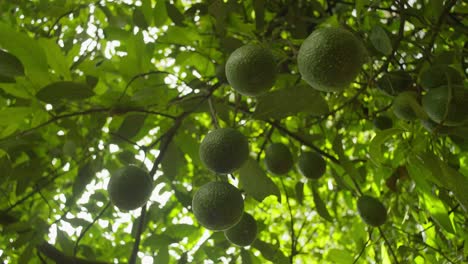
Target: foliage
[{"x": 88, "y": 87}]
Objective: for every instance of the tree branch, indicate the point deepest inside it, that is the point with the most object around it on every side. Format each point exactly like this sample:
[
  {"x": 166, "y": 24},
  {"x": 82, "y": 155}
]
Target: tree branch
[{"x": 60, "y": 258}]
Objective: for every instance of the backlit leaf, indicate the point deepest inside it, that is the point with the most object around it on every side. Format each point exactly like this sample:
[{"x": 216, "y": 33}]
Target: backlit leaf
[
  {"x": 255, "y": 182},
  {"x": 291, "y": 101}
]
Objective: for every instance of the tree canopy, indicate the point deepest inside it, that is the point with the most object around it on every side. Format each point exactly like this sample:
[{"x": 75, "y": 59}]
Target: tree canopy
[{"x": 89, "y": 87}]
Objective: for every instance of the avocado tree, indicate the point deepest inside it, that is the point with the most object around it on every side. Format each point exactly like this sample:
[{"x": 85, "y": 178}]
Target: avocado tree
[{"x": 224, "y": 131}]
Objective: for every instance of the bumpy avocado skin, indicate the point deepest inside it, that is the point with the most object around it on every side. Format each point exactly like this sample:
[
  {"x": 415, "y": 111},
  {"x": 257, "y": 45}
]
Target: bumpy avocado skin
[
  {"x": 372, "y": 211},
  {"x": 243, "y": 233},
  {"x": 251, "y": 70},
  {"x": 330, "y": 59},
  {"x": 130, "y": 187},
  {"x": 218, "y": 206},
  {"x": 311, "y": 165},
  {"x": 278, "y": 158},
  {"x": 224, "y": 150}
]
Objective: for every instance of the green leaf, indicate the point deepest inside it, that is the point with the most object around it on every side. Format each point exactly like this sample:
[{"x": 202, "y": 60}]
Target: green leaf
[
  {"x": 160, "y": 14},
  {"x": 163, "y": 256},
  {"x": 380, "y": 40},
  {"x": 259, "y": 7},
  {"x": 319, "y": 203},
  {"x": 10, "y": 65},
  {"x": 173, "y": 161},
  {"x": 139, "y": 18},
  {"x": 174, "y": 14},
  {"x": 456, "y": 182},
  {"x": 23, "y": 46},
  {"x": 189, "y": 145},
  {"x": 12, "y": 115},
  {"x": 270, "y": 252},
  {"x": 360, "y": 4},
  {"x": 375, "y": 148},
  {"x": 55, "y": 57},
  {"x": 64, "y": 242},
  {"x": 131, "y": 125},
  {"x": 299, "y": 190},
  {"x": 291, "y": 101},
  {"x": 438, "y": 212},
  {"x": 255, "y": 182},
  {"x": 64, "y": 90},
  {"x": 179, "y": 231},
  {"x": 341, "y": 256},
  {"x": 84, "y": 177},
  {"x": 246, "y": 258}
]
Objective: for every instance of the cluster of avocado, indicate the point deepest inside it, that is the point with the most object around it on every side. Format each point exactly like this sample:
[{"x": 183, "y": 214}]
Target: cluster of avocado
[
  {"x": 440, "y": 104},
  {"x": 217, "y": 205}
]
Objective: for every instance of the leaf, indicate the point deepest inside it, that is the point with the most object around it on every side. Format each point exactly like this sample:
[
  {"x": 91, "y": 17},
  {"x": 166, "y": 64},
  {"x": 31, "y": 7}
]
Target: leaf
[
  {"x": 180, "y": 231},
  {"x": 319, "y": 204},
  {"x": 12, "y": 115},
  {"x": 55, "y": 58},
  {"x": 438, "y": 212},
  {"x": 341, "y": 256},
  {"x": 299, "y": 190},
  {"x": 375, "y": 148},
  {"x": 160, "y": 13},
  {"x": 380, "y": 40},
  {"x": 270, "y": 252},
  {"x": 360, "y": 4},
  {"x": 163, "y": 256},
  {"x": 246, "y": 258},
  {"x": 10, "y": 65},
  {"x": 64, "y": 90},
  {"x": 173, "y": 161},
  {"x": 255, "y": 182},
  {"x": 189, "y": 145},
  {"x": 28, "y": 51},
  {"x": 131, "y": 125},
  {"x": 84, "y": 177},
  {"x": 64, "y": 242},
  {"x": 457, "y": 183},
  {"x": 291, "y": 101},
  {"x": 139, "y": 19},
  {"x": 259, "y": 7},
  {"x": 175, "y": 15}
]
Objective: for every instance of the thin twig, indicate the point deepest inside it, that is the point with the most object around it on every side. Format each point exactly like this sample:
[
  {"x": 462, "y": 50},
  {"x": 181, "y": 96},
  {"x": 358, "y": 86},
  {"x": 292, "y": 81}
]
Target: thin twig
[
  {"x": 55, "y": 119},
  {"x": 363, "y": 248},
  {"x": 214, "y": 118},
  {"x": 267, "y": 138},
  {"x": 75, "y": 249},
  {"x": 291, "y": 227},
  {"x": 388, "y": 245}
]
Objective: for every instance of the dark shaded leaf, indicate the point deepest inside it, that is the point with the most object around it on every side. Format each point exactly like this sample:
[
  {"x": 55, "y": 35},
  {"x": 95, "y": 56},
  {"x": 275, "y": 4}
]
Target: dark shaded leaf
[
  {"x": 10, "y": 65},
  {"x": 139, "y": 19},
  {"x": 291, "y": 101},
  {"x": 160, "y": 14},
  {"x": 319, "y": 203},
  {"x": 85, "y": 176},
  {"x": 174, "y": 14},
  {"x": 65, "y": 90},
  {"x": 255, "y": 182},
  {"x": 380, "y": 40},
  {"x": 131, "y": 125},
  {"x": 270, "y": 252},
  {"x": 299, "y": 188}
]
